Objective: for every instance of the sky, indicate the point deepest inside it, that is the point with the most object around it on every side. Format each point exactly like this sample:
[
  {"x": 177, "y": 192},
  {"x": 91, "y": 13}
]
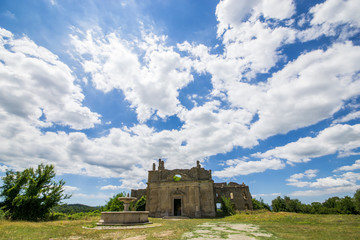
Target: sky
[{"x": 265, "y": 92}]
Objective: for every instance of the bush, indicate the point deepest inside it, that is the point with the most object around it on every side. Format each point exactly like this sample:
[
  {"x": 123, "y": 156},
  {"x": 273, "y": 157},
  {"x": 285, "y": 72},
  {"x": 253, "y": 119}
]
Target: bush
[
  {"x": 257, "y": 205},
  {"x": 140, "y": 205},
  {"x": 114, "y": 204},
  {"x": 227, "y": 206},
  {"x": 357, "y": 201}
]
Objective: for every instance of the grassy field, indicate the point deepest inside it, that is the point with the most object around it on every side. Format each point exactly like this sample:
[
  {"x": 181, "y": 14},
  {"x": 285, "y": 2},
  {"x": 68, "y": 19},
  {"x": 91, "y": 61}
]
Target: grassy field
[{"x": 281, "y": 225}]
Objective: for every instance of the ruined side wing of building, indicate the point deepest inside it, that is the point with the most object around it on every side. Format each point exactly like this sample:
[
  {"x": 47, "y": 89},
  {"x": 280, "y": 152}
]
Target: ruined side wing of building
[{"x": 189, "y": 192}]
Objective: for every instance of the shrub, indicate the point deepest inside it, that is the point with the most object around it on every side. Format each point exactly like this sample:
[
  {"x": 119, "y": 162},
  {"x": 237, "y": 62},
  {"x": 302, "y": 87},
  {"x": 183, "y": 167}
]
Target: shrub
[
  {"x": 114, "y": 204},
  {"x": 227, "y": 206},
  {"x": 257, "y": 205},
  {"x": 140, "y": 205}
]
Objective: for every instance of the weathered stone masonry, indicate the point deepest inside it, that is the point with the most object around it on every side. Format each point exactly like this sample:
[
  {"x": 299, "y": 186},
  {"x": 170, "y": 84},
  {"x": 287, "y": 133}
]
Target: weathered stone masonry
[{"x": 194, "y": 195}]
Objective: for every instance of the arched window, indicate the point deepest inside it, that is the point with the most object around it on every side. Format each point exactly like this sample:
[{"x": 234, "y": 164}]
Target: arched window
[
  {"x": 177, "y": 177},
  {"x": 231, "y": 195}
]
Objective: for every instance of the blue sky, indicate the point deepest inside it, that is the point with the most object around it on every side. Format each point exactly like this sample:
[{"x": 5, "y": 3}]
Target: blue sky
[{"x": 263, "y": 92}]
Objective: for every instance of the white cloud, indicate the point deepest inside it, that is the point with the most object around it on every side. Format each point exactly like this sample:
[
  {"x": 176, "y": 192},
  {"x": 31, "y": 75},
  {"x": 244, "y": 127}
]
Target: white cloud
[
  {"x": 336, "y": 12},
  {"x": 97, "y": 196},
  {"x": 310, "y": 173},
  {"x": 266, "y": 194},
  {"x": 280, "y": 9},
  {"x": 35, "y": 83},
  {"x": 149, "y": 73},
  {"x": 332, "y": 190},
  {"x": 307, "y": 90},
  {"x": 110, "y": 187},
  {"x": 310, "y": 89},
  {"x": 354, "y": 166},
  {"x": 338, "y": 138},
  {"x": 229, "y": 13},
  {"x": 71, "y": 188},
  {"x": 241, "y": 167},
  {"x": 349, "y": 117},
  {"x": 330, "y": 184},
  {"x": 327, "y": 16},
  {"x": 3, "y": 168}
]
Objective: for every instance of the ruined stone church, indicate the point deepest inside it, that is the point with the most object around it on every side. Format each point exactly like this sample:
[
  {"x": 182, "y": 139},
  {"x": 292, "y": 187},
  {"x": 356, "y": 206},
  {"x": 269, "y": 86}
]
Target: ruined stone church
[{"x": 189, "y": 193}]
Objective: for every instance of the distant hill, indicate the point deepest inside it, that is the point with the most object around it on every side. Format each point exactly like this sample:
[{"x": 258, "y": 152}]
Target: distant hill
[{"x": 74, "y": 208}]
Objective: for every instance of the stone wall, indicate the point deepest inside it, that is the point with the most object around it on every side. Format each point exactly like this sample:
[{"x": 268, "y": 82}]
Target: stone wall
[
  {"x": 138, "y": 193},
  {"x": 239, "y": 194}
]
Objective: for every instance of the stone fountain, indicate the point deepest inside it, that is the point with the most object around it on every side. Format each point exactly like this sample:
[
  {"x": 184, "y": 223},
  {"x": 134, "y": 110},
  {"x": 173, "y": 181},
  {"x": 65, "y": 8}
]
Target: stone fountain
[{"x": 125, "y": 217}]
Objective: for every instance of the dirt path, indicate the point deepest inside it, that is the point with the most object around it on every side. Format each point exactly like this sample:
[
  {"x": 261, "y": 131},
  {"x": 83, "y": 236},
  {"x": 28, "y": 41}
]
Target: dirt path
[{"x": 224, "y": 230}]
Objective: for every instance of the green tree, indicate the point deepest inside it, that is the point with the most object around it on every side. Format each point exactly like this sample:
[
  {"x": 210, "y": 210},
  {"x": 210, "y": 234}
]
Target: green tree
[
  {"x": 292, "y": 205},
  {"x": 140, "y": 204},
  {"x": 278, "y": 204},
  {"x": 114, "y": 204},
  {"x": 347, "y": 205},
  {"x": 30, "y": 194},
  {"x": 259, "y": 204},
  {"x": 357, "y": 200},
  {"x": 227, "y": 206}
]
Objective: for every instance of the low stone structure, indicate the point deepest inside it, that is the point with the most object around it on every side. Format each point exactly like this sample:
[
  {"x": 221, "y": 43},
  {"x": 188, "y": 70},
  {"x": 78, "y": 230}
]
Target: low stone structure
[
  {"x": 125, "y": 217},
  {"x": 189, "y": 192}
]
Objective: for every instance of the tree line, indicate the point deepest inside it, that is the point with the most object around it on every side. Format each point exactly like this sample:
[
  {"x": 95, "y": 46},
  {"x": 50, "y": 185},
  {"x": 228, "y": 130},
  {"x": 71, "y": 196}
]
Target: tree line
[{"x": 333, "y": 205}]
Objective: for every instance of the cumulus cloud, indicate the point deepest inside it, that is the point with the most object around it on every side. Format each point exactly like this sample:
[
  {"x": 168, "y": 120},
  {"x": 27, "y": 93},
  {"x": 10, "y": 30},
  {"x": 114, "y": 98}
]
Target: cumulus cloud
[
  {"x": 71, "y": 188},
  {"x": 149, "y": 73},
  {"x": 110, "y": 187},
  {"x": 336, "y": 12},
  {"x": 310, "y": 173},
  {"x": 332, "y": 190},
  {"x": 278, "y": 9},
  {"x": 328, "y": 185},
  {"x": 266, "y": 194},
  {"x": 354, "y": 166},
  {"x": 340, "y": 139},
  {"x": 348, "y": 117},
  {"x": 326, "y": 18},
  {"x": 309, "y": 89},
  {"x": 240, "y": 167},
  {"x": 36, "y": 86}
]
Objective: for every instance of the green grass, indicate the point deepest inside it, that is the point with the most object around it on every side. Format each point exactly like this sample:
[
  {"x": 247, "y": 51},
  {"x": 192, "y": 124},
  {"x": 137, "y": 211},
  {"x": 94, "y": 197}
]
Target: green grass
[{"x": 281, "y": 225}]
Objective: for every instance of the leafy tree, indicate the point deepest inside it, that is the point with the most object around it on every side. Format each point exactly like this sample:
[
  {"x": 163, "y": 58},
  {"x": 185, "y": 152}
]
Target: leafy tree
[
  {"x": 332, "y": 202},
  {"x": 227, "y": 206},
  {"x": 278, "y": 204},
  {"x": 357, "y": 200},
  {"x": 114, "y": 204},
  {"x": 307, "y": 208},
  {"x": 259, "y": 204},
  {"x": 30, "y": 194},
  {"x": 292, "y": 205},
  {"x": 347, "y": 205}
]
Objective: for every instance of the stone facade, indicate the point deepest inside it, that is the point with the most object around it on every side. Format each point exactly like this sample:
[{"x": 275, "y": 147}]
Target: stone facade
[
  {"x": 239, "y": 194},
  {"x": 188, "y": 192}
]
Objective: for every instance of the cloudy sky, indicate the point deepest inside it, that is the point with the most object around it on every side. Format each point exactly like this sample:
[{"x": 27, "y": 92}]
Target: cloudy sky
[{"x": 265, "y": 92}]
